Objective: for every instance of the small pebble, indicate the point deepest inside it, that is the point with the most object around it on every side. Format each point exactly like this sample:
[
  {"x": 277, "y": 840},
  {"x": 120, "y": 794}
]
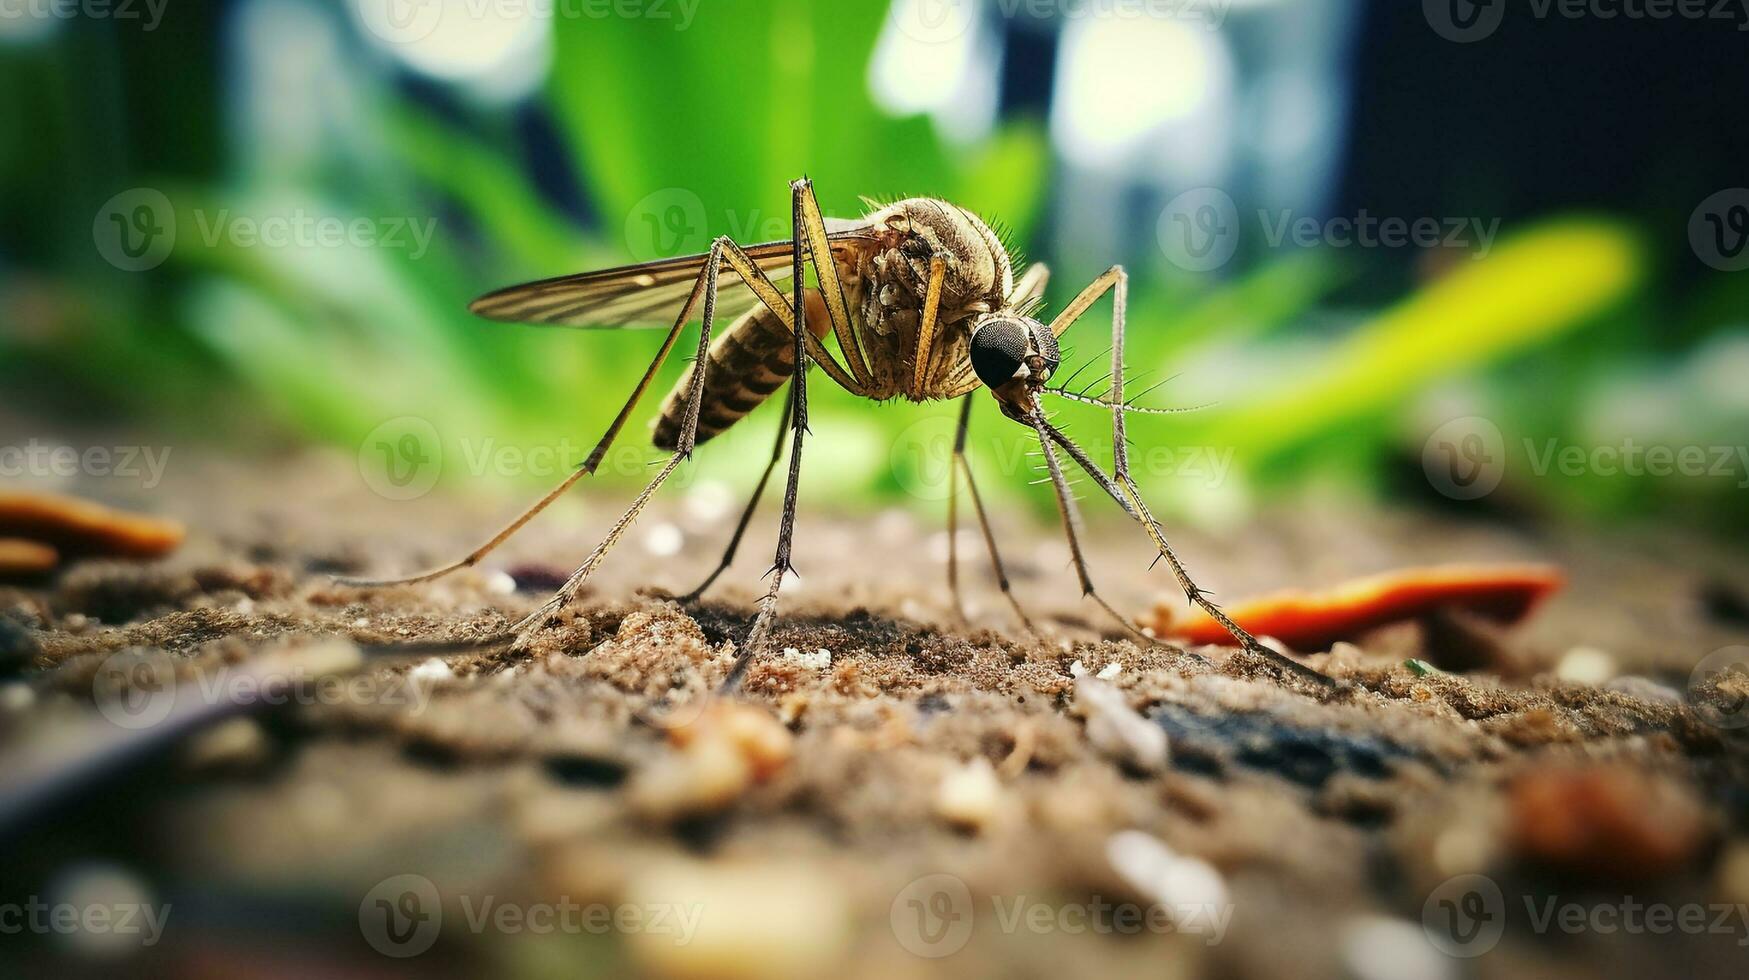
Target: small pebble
[
  {"x": 1586, "y": 665},
  {"x": 734, "y": 921},
  {"x": 1114, "y": 727},
  {"x": 969, "y": 796},
  {"x": 1192, "y": 890},
  {"x": 1110, "y": 671},
  {"x": 233, "y": 744},
  {"x": 664, "y": 540},
  {"x": 17, "y": 696},
  {"x": 818, "y": 660},
  {"x": 1375, "y": 947},
  {"x": 431, "y": 670},
  {"x": 499, "y": 582}
]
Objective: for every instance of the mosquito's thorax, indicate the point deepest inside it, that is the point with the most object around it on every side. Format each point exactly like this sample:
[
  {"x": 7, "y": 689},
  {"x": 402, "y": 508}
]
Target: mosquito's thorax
[{"x": 890, "y": 281}]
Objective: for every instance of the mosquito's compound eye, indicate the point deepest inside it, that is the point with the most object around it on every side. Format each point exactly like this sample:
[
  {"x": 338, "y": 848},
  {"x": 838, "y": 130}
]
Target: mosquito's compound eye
[{"x": 998, "y": 350}]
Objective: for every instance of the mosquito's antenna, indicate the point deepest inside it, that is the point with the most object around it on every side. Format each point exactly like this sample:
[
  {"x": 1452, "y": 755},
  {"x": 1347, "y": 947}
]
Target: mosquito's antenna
[{"x": 1129, "y": 407}]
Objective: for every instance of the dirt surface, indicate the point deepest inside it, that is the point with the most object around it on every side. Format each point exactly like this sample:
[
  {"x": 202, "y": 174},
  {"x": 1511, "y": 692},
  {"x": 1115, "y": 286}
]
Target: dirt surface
[{"x": 895, "y": 793}]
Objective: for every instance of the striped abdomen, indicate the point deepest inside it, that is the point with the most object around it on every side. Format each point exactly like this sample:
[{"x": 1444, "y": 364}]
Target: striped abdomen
[{"x": 747, "y": 362}]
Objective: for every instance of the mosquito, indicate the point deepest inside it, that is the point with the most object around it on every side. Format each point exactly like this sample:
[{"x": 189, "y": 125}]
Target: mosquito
[{"x": 922, "y": 302}]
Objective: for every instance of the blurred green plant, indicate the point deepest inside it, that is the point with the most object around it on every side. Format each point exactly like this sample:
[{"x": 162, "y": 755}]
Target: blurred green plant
[{"x": 686, "y": 135}]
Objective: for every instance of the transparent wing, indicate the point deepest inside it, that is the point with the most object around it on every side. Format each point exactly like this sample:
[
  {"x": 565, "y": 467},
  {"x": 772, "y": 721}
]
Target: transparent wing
[{"x": 645, "y": 295}]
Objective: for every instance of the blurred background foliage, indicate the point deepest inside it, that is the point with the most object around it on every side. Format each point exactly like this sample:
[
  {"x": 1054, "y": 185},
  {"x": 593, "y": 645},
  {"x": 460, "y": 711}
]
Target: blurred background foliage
[{"x": 535, "y": 143}]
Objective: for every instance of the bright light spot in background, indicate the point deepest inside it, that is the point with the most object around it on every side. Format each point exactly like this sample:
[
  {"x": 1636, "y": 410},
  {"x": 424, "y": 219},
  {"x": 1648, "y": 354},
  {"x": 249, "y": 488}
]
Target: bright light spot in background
[
  {"x": 499, "y": 51},
  {"x": 1124, "y": 81},
  {"x": 933, "y": 56},
  {"x": 291, "y": 94},
  {"x": 28, "y": 22}
]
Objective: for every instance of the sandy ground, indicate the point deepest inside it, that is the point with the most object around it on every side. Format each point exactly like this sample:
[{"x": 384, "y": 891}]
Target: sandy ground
[{"x": 895, "y": 793}]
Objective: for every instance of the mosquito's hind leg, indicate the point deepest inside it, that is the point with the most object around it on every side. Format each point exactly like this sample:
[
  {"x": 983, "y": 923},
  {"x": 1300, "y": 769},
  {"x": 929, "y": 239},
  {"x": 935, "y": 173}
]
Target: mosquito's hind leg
[
  {"x": 590, "y": 463},
  {"x": 707, "y": 288},
  {"x": 752, "y": 505},
  {"x": 957, "y": 465}
]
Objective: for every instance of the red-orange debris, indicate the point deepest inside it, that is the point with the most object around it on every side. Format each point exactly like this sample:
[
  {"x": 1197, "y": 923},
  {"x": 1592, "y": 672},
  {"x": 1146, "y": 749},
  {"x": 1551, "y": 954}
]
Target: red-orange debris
[
  {"x": 71, "y": 525},
  {"x": 1612, "y": 822},
  {"x": 1315, "y": 620},
  {"x": 21, "y": 559}
]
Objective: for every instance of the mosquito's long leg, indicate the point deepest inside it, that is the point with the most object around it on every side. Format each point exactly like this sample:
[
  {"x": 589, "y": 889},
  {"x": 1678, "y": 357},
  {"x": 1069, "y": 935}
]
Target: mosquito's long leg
[
  {"x": 813, "y": 224},
  {"x": 752, "y": 505},
  {"x": 682, "y": 450},
  {"x": 958, "y": 464},
  {"x": 1128, "y": 498},
  {"x": 590, "y": 464},
  {"x": 1066, "y": 509},
  {"x": 1127, "y": 492},
  {"x": 800, "y": 193}
]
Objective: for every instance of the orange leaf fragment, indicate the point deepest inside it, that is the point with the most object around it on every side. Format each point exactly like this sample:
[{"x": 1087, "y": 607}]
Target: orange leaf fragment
[
  {"x": 1314, "y": 620},
  {"x": 20, "y": 558},
  {"x": 74, "y": 525}
]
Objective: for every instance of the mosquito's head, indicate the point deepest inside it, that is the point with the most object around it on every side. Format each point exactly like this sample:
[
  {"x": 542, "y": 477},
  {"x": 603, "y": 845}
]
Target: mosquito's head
[{"x": 1013, "y": 356}]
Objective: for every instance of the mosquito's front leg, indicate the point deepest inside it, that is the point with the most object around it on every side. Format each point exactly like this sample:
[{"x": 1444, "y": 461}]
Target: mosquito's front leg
[
  {"x": 956, "y": 466},
  {"x": 801, "y": 209},
  {"x": 1120, "y": 486}
]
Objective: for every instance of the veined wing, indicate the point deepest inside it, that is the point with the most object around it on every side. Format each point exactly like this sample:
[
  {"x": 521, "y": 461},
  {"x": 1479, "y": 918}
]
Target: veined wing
[{"x": 646, "y": 295}]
